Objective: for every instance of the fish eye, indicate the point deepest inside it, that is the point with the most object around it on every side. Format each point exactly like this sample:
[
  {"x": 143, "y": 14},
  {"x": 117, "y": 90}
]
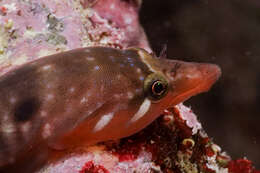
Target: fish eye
[
  {"x": 155, "y": 86},
  {"x": 158, "y": 88}
]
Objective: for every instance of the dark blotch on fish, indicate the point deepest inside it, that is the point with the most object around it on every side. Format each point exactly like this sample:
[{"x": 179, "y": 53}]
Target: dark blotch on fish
[{"x": 26, "y": 109}]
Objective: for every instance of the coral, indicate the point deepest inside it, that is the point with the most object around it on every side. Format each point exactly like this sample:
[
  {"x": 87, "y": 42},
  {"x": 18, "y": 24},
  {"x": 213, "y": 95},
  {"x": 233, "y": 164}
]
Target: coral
[{"x": 175, "y": 142}]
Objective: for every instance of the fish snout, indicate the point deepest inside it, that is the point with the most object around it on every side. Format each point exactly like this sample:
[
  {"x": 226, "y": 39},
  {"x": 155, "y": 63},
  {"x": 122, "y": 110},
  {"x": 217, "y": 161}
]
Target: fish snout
[{"x": 188, "y": 79}]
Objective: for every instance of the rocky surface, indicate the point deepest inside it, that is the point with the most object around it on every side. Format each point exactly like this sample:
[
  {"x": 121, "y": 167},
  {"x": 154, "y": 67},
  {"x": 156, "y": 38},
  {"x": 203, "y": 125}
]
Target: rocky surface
[{"x": 175, "y": 142}]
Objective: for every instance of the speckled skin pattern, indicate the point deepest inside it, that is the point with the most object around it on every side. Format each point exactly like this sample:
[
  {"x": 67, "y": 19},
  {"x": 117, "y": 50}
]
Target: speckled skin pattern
[{"x": 88, "y": 95}]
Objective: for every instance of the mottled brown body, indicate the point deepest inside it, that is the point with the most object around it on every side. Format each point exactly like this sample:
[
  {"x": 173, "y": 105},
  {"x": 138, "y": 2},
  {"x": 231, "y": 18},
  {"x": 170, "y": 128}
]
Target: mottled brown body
[{"x": 89, "y": 95}]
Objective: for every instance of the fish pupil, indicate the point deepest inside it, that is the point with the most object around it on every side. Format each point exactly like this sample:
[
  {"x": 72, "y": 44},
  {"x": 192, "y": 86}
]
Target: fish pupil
[{"x": 158, "y": 88}]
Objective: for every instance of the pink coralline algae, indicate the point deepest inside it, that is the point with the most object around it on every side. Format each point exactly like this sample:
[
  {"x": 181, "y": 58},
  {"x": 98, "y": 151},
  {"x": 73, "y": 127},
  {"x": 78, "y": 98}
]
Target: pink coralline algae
[
  {"x": 32, "y": 29},
  {"x": 174, "y": 143}
]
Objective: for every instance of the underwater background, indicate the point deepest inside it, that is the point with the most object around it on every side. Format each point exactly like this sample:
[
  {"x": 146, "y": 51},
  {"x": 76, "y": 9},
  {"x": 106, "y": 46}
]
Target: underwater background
[{"x": 226, "y": 33}]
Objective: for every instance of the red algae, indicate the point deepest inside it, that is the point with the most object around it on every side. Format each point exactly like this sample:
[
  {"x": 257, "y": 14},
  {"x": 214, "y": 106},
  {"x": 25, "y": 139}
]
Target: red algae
[
  {"x": 241, "y": 166},
  {"x": 169, "y": 146},
  {"x": 180, "y": 123},
  {"x": 90, "y": 167},
  {"x": 127, "y": 150},
  {"x": 3, "y": 10},
  {"x": 209, "y": 152}
]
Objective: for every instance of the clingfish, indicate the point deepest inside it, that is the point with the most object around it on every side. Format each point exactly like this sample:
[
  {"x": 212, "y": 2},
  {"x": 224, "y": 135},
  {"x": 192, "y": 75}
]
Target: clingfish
[{"x": 88, "y": 95}]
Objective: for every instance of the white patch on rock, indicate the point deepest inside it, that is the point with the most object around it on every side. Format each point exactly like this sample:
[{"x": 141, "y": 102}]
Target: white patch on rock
[
  {"x": 191, "y": 119},
  {"x": 10, "y": 7},
  {"x": 128, "y": 19},
  {"x": 112, "y": 6}
]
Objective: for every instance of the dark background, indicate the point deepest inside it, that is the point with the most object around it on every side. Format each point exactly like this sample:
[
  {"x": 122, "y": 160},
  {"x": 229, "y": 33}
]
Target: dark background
[{"x": 223, "y": 32}]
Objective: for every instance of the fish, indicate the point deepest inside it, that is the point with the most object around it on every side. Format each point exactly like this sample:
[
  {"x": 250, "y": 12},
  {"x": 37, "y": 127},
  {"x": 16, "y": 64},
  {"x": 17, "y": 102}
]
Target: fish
[{"x": 89, "y": 95}]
